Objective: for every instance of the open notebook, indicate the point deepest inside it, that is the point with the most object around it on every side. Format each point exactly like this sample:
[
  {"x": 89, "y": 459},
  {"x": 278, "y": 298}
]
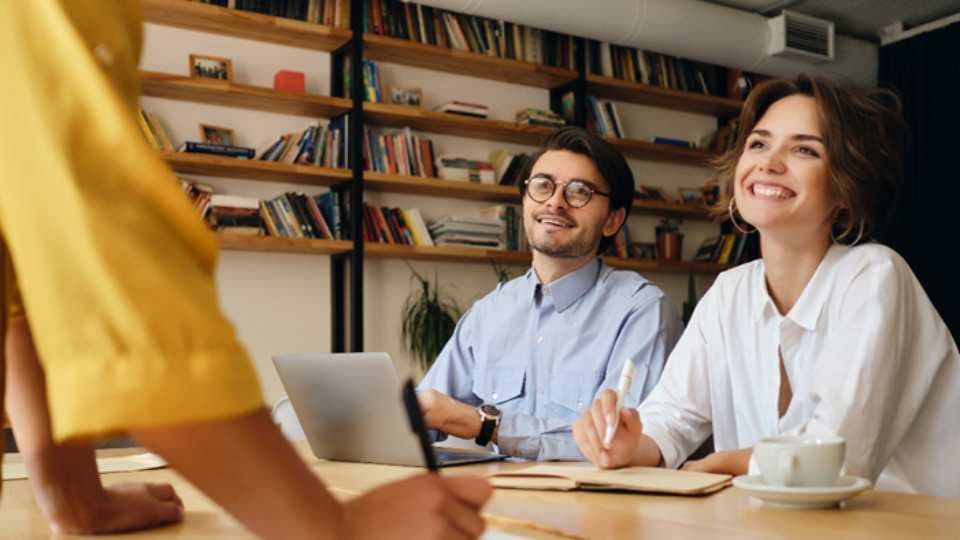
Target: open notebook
[{"x": 570, "y": 476}]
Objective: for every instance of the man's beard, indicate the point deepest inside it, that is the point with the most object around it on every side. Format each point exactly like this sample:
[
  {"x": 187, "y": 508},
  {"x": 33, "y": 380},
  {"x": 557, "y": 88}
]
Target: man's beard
[{"x": 576, "y": 248}]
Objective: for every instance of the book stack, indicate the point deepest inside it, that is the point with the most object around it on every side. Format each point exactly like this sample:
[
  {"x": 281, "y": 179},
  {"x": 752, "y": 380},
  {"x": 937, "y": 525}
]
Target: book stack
[
  {"x": 226, "y": 150},
  {"x": 728, "y": 248},
  {"x": 622, "y": 246},
  {"x": 372, "y": 89},
  {"x": 319, "y": 145},
  {"x": 153, "y": 131},
  {"x": 509, "y": 167},
  {"x": 463, "y": 108},
  {"x": 329, "y": 12},
  {"x": 672, "y": 141},
  {"x": 465, "y": 170},
  {"x": 385, "y": 225},
  {"x": 398, "y": 153},
  {"x": 603, "y": 118},
  {"x": 468, "y": 231},
  {"x": 235, "y": 215},
  {"x": 645, "y": 67},
  {"x": 199, "y": 195},
  {"x": 540, "y": 117},
  {"x": 433, "y": 26},
  {"x": 511, "y": 218},
  {"x": 296, "y": 215}
]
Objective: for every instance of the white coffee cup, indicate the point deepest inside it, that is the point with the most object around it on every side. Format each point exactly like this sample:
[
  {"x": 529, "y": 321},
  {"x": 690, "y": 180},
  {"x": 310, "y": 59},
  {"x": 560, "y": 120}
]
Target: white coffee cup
[{"x": 800, "y": 461}]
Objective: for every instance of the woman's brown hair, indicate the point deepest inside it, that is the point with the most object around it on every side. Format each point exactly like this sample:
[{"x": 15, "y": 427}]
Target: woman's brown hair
[{"x": 864, "y": 135}]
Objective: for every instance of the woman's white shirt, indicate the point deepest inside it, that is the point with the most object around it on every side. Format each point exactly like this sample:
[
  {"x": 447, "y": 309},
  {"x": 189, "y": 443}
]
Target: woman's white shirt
[{"x": 868, "y": 359}]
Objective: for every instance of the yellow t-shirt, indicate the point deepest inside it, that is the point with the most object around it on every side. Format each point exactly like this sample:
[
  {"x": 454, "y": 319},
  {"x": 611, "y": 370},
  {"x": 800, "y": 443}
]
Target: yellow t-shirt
[{"x": 114, "y": 268}]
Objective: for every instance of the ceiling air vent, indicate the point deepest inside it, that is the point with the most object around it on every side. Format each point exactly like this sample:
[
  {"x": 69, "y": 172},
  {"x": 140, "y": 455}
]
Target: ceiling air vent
[{"x": 801, "y": 37}]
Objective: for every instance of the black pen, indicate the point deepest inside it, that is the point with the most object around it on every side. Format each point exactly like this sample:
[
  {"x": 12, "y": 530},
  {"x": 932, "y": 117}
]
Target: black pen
[{"x": 412, "y": 405}]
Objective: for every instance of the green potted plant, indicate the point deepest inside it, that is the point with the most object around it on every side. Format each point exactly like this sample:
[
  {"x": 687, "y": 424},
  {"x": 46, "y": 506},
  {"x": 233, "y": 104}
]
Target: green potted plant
[{"x": 428, "y": 320}]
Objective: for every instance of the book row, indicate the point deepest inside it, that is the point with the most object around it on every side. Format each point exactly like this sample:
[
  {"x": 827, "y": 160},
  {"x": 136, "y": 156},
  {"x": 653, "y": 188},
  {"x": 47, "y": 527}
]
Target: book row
[{"x": 334, "y": 13}]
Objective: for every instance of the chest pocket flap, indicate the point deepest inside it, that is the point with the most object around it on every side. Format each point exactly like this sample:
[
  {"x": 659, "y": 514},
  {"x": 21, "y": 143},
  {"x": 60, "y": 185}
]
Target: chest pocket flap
[
  {"x": 573, "y": 390},
  {"x": 500, "y": 384}
]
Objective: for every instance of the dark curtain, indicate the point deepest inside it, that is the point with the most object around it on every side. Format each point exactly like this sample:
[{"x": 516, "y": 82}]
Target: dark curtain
[{"x": 925, "y": 229}]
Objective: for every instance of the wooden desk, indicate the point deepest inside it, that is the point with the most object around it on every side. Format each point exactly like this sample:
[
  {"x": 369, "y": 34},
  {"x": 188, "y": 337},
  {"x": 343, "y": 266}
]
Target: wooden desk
[{"x": 728, "y": 514}]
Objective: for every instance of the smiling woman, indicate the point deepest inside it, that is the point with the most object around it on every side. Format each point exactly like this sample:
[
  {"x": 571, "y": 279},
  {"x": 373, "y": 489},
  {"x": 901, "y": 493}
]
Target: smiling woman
[{"x": 817, "y": 337}]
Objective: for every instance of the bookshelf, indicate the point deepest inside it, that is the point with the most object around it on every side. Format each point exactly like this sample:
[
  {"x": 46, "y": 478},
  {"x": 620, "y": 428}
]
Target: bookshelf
[
  {"x": 244, "y": 24},
  {"x": 248, "y": 169},
  {"x": 438, "y": 253},
  {"x": 656, "y": 96},
  {"x": 422, "y": 55},
  {"x": 352, "y": 45},
  {"x": 269, "y": 171},
  {"x": 230, "y": 94}
]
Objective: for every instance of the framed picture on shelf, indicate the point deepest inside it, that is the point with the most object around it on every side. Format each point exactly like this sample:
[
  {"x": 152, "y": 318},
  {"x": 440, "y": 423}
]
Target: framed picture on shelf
[
  {"x": 216, "y": 135},
  {"x": 645, "y": 250},
  {"x": 211, "y": 67},
  {"x": 652, "y": 193},
  {"x": 691, "y": 195},
  {"x": 406, "y": 95}
]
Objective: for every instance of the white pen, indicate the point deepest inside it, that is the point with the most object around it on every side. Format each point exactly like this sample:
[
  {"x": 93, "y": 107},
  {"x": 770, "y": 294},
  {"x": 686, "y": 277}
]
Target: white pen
[{"x": 626, "y": 379}]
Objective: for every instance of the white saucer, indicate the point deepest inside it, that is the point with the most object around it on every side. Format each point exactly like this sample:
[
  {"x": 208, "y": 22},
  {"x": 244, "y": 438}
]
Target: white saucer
[{"x": 801, "y": 497}]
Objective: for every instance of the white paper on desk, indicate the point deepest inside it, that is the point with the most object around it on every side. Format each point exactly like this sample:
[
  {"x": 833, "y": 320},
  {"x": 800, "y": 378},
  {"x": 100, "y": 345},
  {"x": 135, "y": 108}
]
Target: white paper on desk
[{"x": 136, "y": 462}]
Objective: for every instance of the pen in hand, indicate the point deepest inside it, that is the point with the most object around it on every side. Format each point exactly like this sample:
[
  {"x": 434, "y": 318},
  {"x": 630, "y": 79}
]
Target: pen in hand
[
  {"x": 626, "y": 379},
  {"x": 417, "y": 424}
]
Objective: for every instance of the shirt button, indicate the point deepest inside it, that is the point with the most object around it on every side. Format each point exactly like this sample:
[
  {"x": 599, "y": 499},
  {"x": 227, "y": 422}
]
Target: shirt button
[
  {"x": 494, "y": 396},
  {"x": 539, "y": 339},
  {"x": 579, "y": 404}
]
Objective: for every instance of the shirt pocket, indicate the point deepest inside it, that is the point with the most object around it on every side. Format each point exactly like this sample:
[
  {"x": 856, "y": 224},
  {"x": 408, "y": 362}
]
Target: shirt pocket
[
  {"x": 571, "y": 392},
  {"x": 500, "y": 384}
]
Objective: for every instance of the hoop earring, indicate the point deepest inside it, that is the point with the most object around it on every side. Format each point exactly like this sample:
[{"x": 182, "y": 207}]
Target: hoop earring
[
  {"x": 733, "y": 219},
  {"x": 860, "y": 230}
]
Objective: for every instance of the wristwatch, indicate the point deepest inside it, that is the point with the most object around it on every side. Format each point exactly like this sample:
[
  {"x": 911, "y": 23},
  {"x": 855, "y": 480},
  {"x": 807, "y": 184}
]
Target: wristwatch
[{"x": 489, "y": 420}]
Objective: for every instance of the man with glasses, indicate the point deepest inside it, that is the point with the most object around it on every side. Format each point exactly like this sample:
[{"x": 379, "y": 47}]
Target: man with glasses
[{"x": 527, "y": 359}]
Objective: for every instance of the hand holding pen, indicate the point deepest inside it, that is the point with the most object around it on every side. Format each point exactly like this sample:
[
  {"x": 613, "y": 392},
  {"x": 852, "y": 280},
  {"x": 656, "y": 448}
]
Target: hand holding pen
[{"x": 608, "y": 435}]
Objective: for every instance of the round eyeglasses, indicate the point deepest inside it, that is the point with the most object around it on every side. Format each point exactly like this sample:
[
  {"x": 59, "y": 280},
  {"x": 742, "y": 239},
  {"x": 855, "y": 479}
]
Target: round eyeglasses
[{"x": 577, "y": 193}]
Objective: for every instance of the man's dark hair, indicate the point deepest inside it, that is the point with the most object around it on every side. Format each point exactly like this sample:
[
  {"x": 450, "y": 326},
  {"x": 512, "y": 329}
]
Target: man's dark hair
[{"x": 608, "y": 160}]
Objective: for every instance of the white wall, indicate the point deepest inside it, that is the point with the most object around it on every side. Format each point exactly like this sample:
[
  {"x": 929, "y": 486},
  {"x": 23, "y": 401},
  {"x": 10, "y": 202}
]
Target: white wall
[{"x": 281, "y": 302}]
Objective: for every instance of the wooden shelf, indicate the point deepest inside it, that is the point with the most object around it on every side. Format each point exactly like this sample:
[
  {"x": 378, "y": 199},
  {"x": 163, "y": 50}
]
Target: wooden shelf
[
  {"x": 240, "y": 242},
  {"x": 633, "y": 148},
  {"x": 421, "y": 119},
  {"x": 210, "y": 165},
  {"x": 166, "y": 85},
  {"x": 445, "y": 253},
  {"x": 665, "y": 208},
  {"x": 440, "y": 253},
  {"x": 666, "y": 267},
  {"x": 244, "y": 24},
  {"x": 437, "y": 187},
  {"x": 645, "y": 94},
  {"x": 413, "y": 53}
]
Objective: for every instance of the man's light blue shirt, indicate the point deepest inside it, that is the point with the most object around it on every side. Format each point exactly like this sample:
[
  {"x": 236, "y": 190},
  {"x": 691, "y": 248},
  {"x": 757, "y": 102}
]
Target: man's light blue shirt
[{"x": 542, "y": 353}]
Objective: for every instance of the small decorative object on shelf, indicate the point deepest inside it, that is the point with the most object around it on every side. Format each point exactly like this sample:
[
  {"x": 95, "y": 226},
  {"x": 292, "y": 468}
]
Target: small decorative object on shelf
[
  {"x": 406, "y": 95},
  {"x": 711, "y": 192},
  {"x": 216, "y": 135},
  {"x": 691, "y": 195},
  {"x": 646, "y": 251},
  {"x": 669, "y": 240},
  {"x": 290, "y": 81},
  {"x": 531, "y": 116},
  {"x": 211, "y": 67},
  {"x": 652, "y": 193}
]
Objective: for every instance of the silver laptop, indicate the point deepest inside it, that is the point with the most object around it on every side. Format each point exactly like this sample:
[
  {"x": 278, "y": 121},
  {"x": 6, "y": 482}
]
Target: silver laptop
[{"x": 350, "y": 408}]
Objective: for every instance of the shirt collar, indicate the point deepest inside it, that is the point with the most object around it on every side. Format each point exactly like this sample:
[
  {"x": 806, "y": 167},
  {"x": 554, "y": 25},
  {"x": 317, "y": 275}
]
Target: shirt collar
[
  {"x": 806, "y": 312},
  {"x": 568, "y": 289}
]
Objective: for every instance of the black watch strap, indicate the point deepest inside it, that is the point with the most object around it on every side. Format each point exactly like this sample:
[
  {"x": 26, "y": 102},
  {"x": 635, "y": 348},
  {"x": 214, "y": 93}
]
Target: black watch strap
[{"x": 486, "y": 431}]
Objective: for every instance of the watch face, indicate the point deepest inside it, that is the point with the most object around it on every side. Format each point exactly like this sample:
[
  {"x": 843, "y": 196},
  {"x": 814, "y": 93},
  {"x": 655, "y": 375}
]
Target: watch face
[{"x": 490, "y": 410}]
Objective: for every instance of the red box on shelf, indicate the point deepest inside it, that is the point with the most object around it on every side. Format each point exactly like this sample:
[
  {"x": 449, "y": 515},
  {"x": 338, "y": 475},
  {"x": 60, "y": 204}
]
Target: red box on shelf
[{"x": 289, "y": 81}]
